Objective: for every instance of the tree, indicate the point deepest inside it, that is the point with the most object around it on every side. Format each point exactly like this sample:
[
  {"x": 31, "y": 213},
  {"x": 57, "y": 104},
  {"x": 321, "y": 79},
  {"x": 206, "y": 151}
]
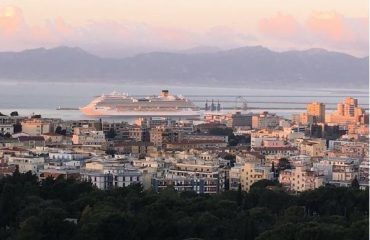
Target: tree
[
  {"x": 355, "y": 184},
  {"x": 283, "y": 164},
  {"x": 17, "y": 128},
  {"x": 221, "y": 131},
  {"x": 36, "y": 116},
  {"x": 58, "y": 130},
  {"x": 111, "y": 134},
  {"x": 264, "y": 183},
  {"x": 239, "y": 196},
  {"x": 273, "y": 170},
  {"x": 110, "y": 151},
  {"x": 30, "y": 209},
  {"x": 14, "y": 114},
  {"x": 235, "y": 140},
  {"x": 229, "y": 156},
  {"x": 8, "y": 205}
]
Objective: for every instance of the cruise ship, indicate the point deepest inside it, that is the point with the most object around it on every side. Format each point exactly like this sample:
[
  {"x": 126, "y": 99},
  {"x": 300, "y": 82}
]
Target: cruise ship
[{"x": 120, "y": 104}]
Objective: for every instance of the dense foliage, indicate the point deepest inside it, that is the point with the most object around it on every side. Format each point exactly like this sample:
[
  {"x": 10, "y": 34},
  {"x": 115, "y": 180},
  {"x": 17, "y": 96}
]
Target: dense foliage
[{"x": 33, "y": 210}]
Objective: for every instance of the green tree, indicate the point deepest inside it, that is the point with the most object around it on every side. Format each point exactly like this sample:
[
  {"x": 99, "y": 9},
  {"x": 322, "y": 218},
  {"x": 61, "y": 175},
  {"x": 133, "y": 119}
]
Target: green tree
[
  {"x": 283, "y": 164},
  {"x": 58, "y": 130},
  {"x": 355, "y": 184},
  {"x": 264, "y": 183},
  {"x": 111, "y": 134},
  {"x": 14, "y": 114},
  {"x": 17, "y": 128}
]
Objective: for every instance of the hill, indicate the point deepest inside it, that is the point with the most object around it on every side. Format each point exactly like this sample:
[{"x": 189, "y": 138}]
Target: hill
[{"x": 247, "y": 66}]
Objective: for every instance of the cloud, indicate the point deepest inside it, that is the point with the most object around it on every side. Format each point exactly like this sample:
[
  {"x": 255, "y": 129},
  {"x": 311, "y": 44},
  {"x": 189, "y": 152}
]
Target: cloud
[
  {"x": 329, "y": 25},
  {"x": 329, "y": 30},
  {"x": 116, "y": 38},
  {"x": 280, "y": 26},
  {"x": 109, "y": 36},
  {"x": 11, "y": 21}
]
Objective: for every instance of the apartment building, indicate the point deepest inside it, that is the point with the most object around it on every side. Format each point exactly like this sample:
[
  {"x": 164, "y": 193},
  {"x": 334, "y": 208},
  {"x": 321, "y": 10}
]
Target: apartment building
[
  {"x": 300, "y": 179},
  {"x": 253, "y": 172}
]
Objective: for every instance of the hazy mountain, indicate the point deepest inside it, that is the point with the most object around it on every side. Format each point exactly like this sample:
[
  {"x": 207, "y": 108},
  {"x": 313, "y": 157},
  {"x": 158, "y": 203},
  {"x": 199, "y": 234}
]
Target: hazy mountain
[
  {"x": 247, "y": 66},
  {"x": 201, "y": 49}
]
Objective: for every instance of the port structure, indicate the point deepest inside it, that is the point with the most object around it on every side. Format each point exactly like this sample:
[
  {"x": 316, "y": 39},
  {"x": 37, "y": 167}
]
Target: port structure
[{"x": 241, "y": 103}]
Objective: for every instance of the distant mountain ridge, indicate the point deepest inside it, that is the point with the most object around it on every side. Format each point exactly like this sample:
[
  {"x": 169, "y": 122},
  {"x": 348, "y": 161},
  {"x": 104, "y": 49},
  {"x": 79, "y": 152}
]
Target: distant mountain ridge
[{"x": 247, "y": 66}]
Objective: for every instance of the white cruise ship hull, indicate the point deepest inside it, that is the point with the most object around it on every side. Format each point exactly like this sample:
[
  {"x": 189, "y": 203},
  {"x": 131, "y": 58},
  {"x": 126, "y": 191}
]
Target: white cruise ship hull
[{"x": 104, "y": 112}]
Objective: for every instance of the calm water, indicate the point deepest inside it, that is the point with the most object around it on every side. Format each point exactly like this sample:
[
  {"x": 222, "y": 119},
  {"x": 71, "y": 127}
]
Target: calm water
[{"x": 44, "y": 98}]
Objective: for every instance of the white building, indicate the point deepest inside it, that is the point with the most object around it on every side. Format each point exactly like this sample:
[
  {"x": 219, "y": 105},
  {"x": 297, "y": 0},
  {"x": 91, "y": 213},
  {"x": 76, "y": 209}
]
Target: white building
[
  {"x": 343, "y": 169},
  {"x": 64, "y": 155},
  {"x": 6, "y": 128},
  {"x": 107, "y": 174},
  {"x": 26, "y": 164},
  {"x": 234, "y": 178},
  {"x": 207, "y": 171},
  {"x": 88, "y": 136}
]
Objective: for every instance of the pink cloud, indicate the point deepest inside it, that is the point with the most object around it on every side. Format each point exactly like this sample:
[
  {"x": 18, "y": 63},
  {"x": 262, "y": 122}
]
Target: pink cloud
[
  {"x": 329, "y": 25},
  {"x": 280, "y": 26},
  {"x": 62, "y": 27},
  {"x": 172, "y": 36},
  {"x": 329, "y": 30},
  {"x": 11, "y": 20},
  {"x": 321, "y": 29}
]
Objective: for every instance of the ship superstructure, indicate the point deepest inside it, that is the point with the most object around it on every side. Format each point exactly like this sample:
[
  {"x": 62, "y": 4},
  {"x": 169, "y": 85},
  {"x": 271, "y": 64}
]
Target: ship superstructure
[{"x": 120, "y": 104}]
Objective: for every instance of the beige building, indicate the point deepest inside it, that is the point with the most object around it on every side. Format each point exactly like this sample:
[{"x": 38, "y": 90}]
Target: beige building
[
  {"x": 36, "y": 127},
  {"x": 300, "y": 179},
  {"x": 252, "y": 172},
  {"x": 265, "y": 120},
  {"x": 234, "y": 178},
  {"x": 88, "y": 136},
  {"x": 302, "y": 118},
  {"x": 53, "y": 138},
  {"x": 160, "y": 136},
  {"x": 313, "y": 148},
  {"x": 347, "y": 112},
  {"x": 317, "y": 110},
  {"x": 344, "y": 169},
  {"x": 27, "y": 163}
]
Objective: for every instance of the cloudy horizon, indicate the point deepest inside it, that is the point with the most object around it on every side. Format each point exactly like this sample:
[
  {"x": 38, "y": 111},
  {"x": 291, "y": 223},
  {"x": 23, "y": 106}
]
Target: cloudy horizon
[{"x": 130, "y": 27}]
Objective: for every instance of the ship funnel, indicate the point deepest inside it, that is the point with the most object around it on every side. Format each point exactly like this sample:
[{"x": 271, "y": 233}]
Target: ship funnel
[{"x": 164, "y": 93}]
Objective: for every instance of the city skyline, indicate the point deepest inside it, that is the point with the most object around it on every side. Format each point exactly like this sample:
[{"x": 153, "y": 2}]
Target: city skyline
[{"x": 184, "y": 119}]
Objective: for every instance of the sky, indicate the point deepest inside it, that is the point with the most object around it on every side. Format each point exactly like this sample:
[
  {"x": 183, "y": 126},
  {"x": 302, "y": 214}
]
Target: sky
[{"x": 116, "y": 28}]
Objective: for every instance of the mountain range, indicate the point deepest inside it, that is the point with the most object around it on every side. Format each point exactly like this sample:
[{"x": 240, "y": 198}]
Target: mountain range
[{"x": 247, "y": 66}]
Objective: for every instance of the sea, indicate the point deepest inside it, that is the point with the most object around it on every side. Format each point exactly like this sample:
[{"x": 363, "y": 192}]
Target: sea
[{"x": 45, "y": 98}]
